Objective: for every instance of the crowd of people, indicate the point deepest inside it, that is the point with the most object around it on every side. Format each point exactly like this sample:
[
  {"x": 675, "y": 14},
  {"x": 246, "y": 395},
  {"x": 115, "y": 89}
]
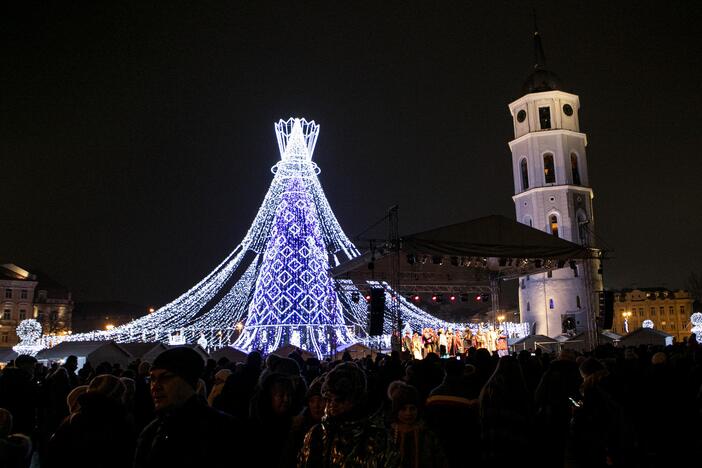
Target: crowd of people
[
  {"x": 447, "y": 343},
  {"x": 638, "y": 407}
]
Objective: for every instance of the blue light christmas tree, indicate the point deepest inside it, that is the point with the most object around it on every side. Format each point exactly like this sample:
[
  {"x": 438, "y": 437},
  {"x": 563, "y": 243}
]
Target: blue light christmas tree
[{"x": 294, "y": 300}]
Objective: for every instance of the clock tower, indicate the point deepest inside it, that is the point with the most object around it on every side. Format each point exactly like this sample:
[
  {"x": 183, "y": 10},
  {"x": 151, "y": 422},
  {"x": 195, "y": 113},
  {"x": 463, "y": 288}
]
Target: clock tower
[{"x": 552, "y": 193}]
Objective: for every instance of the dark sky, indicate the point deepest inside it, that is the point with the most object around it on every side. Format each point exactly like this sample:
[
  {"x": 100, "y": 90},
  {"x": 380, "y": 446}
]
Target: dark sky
[{"x": 136, "y": 137}]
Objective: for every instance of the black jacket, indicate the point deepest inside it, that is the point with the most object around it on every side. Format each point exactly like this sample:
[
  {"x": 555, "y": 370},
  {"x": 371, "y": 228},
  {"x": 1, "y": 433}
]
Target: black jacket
[{"x": 190, "y": 436}]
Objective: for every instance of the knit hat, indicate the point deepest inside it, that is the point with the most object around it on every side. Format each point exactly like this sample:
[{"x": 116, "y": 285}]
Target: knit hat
[
  {"x": 403, "y": 395},
  {"x": 315, "y": 388},
  {"x": 183, "y": 361},
  {"x": 107, "y": 385},
  {"x": 72, "y": 398},
  {"x": 347, "y": 381}
]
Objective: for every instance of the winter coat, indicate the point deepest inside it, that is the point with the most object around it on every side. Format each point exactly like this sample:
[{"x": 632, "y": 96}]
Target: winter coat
[
  {"x": 361, "y": 442},
  {"x": 190, "y": 436},
  {"x": 99, "y": 435}
]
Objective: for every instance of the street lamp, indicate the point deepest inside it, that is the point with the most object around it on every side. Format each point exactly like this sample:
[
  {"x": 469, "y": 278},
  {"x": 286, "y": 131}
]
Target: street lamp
[{"x": 626, "y": 316}]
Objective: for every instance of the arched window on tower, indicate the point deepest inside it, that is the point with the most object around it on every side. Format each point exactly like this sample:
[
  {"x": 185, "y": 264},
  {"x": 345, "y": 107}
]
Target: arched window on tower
[
  {"x": 574, "y": 168},
  {"x": 550, "y": 303},
  {"x": 528, "y": 221},
  {"x": 553, "y": 224},
  {"x": 577, "y": 302},
  {"x": 528, "y": 307},
  {"x": 525, "y": 174},
  {"x": 549, "y": 169}
]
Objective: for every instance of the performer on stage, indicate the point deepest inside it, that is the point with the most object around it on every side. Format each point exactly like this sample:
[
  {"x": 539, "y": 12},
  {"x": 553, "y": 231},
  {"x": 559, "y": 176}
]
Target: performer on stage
[
  {"x": 427, "y": 341},
  {"x": 481, "y": 338},
  {"x": 491, "y": 339},
  {"x": 407, "y": 343},
  {"x": 443, "y": 343},
  {"x": 416, "y": 346},
  {"x": 502, "y": 344}
]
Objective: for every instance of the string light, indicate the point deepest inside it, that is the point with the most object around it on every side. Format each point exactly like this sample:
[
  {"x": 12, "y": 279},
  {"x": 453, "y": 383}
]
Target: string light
[{"x": 276, "y": 282}]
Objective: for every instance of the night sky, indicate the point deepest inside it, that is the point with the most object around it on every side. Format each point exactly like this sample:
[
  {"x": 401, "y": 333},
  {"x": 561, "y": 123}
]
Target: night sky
[{"x": 136, "y": 138}]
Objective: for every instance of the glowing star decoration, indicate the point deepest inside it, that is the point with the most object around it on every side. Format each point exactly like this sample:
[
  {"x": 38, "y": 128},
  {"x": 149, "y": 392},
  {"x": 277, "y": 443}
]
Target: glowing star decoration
[
  {"x": 647, "y": 324},
  {"x": 275, "y": 288},
  {"x": 696, "y": 321}
]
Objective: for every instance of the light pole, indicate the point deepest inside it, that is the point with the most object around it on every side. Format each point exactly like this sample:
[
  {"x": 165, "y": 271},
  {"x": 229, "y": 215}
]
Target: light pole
[{"x": 626, "y": 316}]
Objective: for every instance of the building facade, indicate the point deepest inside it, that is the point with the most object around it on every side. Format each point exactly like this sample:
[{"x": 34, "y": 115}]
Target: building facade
[
  {"x": 32, "y": 295},
  {"x": 552, "y": 193},
  {"x": 669, "y": 311}
]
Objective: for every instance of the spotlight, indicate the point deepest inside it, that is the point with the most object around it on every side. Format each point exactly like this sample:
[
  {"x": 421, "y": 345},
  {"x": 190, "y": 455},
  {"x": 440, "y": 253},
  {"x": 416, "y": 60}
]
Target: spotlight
[
  {"x": 452, "y": 298},
  {"x": 368, "y": 297},
  {"x": 437, "y": 297},
  {"x": 416, "y": 298},
  {"x": 355, "y": 297},
  {"x": 482, "y": 297}
]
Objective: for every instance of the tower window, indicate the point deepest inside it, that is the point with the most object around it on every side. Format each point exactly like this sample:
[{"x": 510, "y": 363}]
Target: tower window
[
  {"x": 550, "y": 303},
  {"x": 574, "y": 168},
  {"x": 545, "y": 117},
  {"x": 528, "y": 307},
  {"x": 549, "y": 169},
  {"x": 8, "y": 293},
  {"x": 577, "y": 302},
  {"x": 549, "y": 274},
  {"x": 553, "y": 224},
  {"x": 525, "y": 174},
  {"x": 523, "y": 284}
]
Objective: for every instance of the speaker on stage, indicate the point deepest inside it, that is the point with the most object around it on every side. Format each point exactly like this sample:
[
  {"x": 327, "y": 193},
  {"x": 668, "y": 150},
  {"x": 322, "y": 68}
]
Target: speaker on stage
[
  {"x": 606, "y": 306},
  {"x": 377, "y": 311}
]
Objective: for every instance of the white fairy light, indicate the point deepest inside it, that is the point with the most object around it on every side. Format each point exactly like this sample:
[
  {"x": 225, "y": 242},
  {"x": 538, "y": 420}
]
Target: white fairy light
[{"x": 277, "y": 281}]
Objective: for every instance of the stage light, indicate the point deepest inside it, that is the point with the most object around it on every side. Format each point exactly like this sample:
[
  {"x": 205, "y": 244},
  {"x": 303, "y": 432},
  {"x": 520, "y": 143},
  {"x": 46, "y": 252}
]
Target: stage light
[
  {"x": 368, "y": 297},
  {"x": 416, "y": 298},
  {"x": 438, "y": 297},
  {"x": 478, "y": 298},
  {"x": 355, "y": 297},
  {"x": 452, "y": 298}
]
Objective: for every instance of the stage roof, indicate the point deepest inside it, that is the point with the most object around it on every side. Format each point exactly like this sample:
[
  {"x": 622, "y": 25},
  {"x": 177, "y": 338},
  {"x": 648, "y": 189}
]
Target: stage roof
[{"x": 468, "y": 253}]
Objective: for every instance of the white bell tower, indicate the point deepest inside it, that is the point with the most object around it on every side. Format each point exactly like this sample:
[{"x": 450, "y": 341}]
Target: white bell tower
[{"x": 552, "y": 193}]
